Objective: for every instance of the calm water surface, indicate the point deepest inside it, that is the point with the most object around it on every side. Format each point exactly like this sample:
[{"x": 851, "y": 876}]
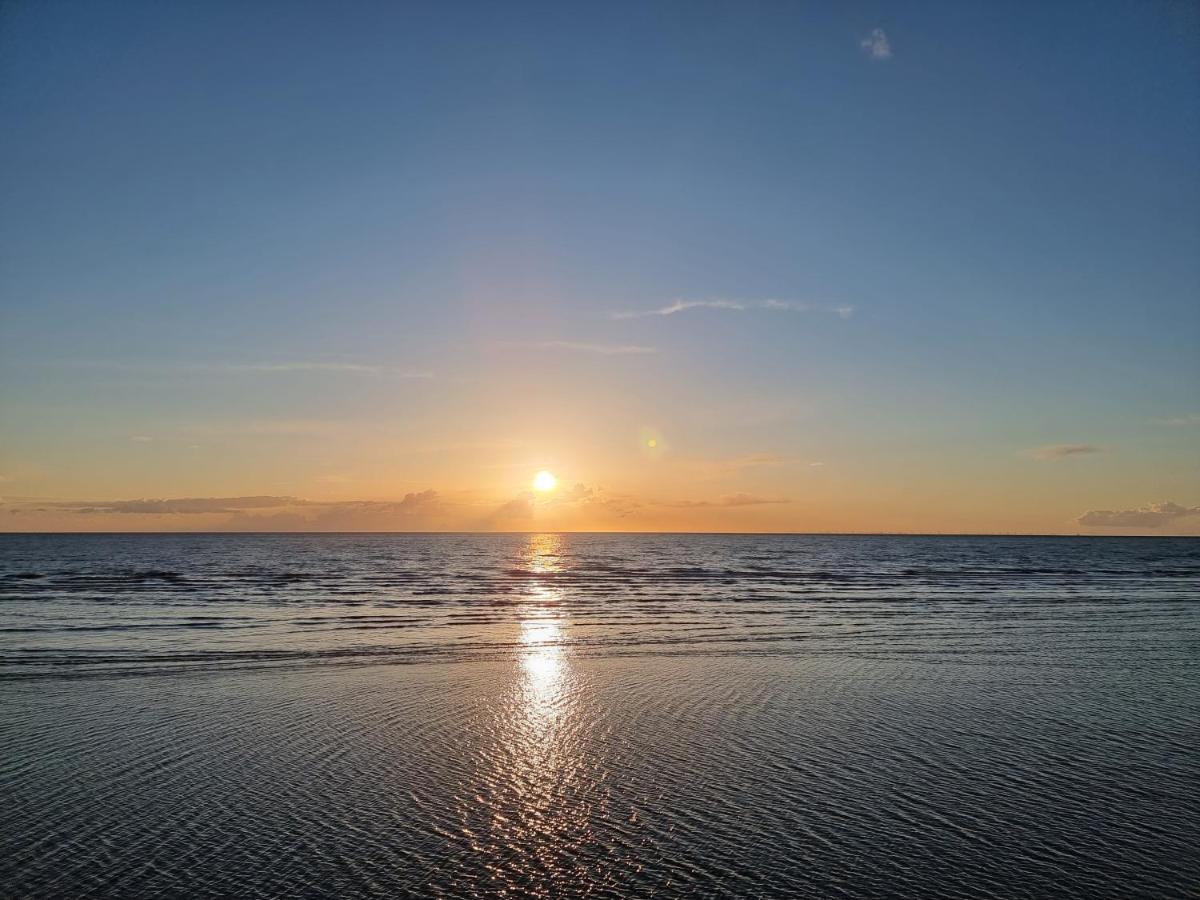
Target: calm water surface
[{"x": 599, "y": 716}]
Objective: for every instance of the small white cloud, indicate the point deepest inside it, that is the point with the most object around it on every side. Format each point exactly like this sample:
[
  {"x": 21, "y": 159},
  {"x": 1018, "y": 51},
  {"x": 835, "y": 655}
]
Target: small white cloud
[
  {"x": 140, "y": 438},
  {"x": 816, "y": 465},
  {"x": 876, "y": 45}
]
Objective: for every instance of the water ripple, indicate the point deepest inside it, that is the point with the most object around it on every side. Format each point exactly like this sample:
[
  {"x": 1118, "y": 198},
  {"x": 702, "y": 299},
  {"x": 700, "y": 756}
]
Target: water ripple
[{"x": 598, "y": 716}]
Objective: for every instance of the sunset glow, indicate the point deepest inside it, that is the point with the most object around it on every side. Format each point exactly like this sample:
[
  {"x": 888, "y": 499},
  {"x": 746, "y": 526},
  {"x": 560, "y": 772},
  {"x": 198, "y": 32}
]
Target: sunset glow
[
  {"x": 702, "y": 284},
  {"x": 636, "y": 449}
]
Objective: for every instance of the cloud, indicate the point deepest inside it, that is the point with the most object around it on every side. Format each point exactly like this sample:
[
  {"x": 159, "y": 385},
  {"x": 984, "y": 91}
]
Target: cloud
[
  {"x": 1188, "y": 421},
  {"x": 596, "y": 499},
  {"x": 180, "y": 505},
  {"x": 720, "y": 468},
  {"x": 337, "y": 368},
  {"x": 518, "y": 509},
  {"x": 270, "y": 428},
  {"x": 579, "y": 493},
  {"x": 679, "y": 306},
  {"x": 876, "y": 45},
  {"x": 264, "y": 368},
  {"x": 248, "y": 510},
  {"x": 728, "y": 500},
  {"x": 351, "y": 368},
  {"x": 744, "y": 499},
  {"x": 602, "y": 349},
  {"x": 1152, "y": 516},
  {"x": 1052, "y": 452},
  {"x": 140, "y": 438},
  {"x": 418, "y": 509},
  {"x": 843, "y": 312}
]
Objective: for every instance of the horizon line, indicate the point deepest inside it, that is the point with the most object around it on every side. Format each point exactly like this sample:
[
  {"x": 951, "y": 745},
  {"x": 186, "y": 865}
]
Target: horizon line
[{"x": 664, "y": 533}]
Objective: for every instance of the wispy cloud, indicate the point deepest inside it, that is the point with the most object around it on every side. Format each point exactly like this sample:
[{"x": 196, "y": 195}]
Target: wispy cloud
[
  {"x": 843, "y": 312},
  {"x": 707, "y": 469},
  {"x": 333, "y": 368},
  {"x": 340, "y": 367},
  {"x": 265, "y": 427},
  {"x": 601, "y": 349},
  {"x": 1153, "y": 516},
  {"x": 680, "y": 306},
  {"x": 1053, "y": 452},
  {"x": 735, "y": 305},
  {"x": 1188, "y": 421},
  {"x": 727, "y": 500},
  {"x": 252, "y": 368},
  {"x": 876, "y": 45}
]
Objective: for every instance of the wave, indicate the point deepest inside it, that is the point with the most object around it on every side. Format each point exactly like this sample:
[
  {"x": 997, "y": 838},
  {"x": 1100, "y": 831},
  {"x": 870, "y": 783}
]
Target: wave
[{"x": 226, "y": 600}]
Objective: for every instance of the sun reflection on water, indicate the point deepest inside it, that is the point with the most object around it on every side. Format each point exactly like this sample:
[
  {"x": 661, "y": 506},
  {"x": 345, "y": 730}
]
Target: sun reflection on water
[
  {"x": 543, "y": 671},
  {"x": 544, "y": 553},
  {"x": 540, "y": 770}
]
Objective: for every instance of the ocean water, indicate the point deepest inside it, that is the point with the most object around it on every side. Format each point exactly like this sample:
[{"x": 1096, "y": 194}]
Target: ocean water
[{"x": 599, "y": 716}]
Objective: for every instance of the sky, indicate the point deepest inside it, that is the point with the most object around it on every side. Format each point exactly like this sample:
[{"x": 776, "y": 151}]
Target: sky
[{"x": 914, "y": 267}]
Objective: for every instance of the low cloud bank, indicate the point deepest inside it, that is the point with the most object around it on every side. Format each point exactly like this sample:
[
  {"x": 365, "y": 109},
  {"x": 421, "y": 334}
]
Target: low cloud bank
[
  {"x": 180, "y": 505},
  {"x": 418, "y": 509},
  {"x": 1154, "y": 515},
  {"x": 579, "y": 506}
]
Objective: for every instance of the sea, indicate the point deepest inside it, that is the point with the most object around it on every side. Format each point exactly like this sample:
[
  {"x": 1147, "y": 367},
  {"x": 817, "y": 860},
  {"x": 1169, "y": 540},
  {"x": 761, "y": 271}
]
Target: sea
[{"x": 599, "y": 715}]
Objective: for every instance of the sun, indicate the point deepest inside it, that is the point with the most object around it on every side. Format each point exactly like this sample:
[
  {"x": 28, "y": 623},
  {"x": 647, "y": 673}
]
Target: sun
[{"x": 544, "y": 481}]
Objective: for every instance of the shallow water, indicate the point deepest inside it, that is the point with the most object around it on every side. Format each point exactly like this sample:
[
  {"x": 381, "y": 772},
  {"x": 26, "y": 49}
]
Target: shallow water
[{"x": 588, "y": 715}]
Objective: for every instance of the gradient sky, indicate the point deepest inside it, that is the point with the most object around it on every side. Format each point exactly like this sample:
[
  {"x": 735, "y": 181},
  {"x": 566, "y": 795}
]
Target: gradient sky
[{"x": 853, "y": 267}]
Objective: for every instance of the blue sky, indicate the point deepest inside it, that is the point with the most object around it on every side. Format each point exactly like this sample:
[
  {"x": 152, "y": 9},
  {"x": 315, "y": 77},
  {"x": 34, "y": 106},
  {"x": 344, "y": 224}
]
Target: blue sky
[{"x": 1006, "y": 199}]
